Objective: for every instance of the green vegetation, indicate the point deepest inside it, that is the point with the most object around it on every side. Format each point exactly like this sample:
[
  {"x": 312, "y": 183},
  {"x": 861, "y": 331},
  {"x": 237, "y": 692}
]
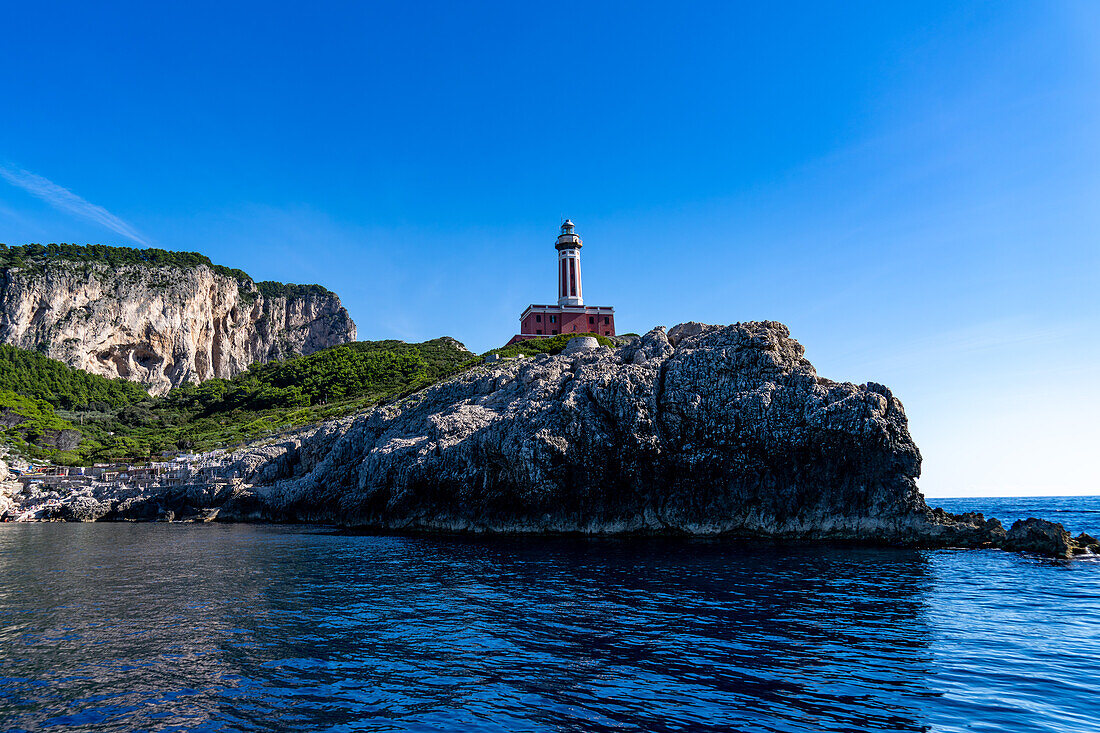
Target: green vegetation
[
  {"x": 113, "y": 256},
  {"x": 366, "y": 369},
  {"x": 35, "y": 376},
  {"x": 120, "y": 421},
  {"x": 29, "y": 255},
  {"x": 31, "y": 426},
  {"x": 272, "y": 289},
  {"x": 551, "y": 345}
]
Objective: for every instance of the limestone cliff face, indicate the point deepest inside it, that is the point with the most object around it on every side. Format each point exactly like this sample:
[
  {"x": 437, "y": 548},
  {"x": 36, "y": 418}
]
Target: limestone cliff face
[{"x": 162, "y": 325}]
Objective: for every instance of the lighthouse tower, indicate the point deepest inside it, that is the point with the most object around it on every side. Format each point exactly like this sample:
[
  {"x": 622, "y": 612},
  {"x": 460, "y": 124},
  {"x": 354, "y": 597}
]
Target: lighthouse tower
[
  {"x": 569, "y": 265},
  {"x": 570, "y": 315}
]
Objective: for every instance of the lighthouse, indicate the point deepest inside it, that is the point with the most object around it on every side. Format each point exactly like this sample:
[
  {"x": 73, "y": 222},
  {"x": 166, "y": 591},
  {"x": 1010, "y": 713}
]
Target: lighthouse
[
  {"x": 569, "y": 265},
  {"x": 570, "y": 315}
]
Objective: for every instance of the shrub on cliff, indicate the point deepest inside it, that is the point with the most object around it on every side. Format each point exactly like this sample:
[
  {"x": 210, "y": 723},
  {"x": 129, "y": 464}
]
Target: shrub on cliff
[
  {"x": 272, "y": 289},
  {"x": 550, "y": 345},
  {"x": 114, "y": 256},
  {"x": 120, "y": 421},
  {"x": 337, "y": 374},
  {"x": 30, "y": 255}
]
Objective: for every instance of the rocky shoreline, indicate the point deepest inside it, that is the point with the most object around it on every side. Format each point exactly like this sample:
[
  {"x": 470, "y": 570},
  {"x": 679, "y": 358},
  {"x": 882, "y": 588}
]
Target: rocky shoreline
[{"x": 703, "y": 430}]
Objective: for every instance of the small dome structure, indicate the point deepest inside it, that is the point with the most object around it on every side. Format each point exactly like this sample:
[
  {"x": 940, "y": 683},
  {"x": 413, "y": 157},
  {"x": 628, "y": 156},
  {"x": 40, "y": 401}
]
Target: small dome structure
[
  {"x": 568, "y": 238},
  {"x": 580, "y": 343}
]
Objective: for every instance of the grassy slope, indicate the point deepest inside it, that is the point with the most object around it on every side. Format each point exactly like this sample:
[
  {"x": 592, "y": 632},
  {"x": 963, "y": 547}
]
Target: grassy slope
[{"x": 120, "y": 420}]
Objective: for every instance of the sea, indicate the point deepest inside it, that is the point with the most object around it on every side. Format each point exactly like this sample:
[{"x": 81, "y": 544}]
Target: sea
[{"x": 178, "y": 627}]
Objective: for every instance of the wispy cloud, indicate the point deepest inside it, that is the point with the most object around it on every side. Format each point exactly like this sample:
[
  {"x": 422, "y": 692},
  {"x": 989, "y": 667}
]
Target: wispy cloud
[{"x": 65, "y": 200}]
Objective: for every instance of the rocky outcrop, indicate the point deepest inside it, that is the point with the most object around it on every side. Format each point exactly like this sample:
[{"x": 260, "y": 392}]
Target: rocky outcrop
[
  {"x": 1041, "y": 536},
  {"x": 81, "y": 509},
  {"x": 8, "y": 506},
  {"x": 705, "y": 430},
  {"x": 162, "y": 325},
  {"x": 115, "y": 503},
  {"x": 59, "y": 439},
  {"x": 1085, "y": 543},
  {"x": 730, "y": 430}
]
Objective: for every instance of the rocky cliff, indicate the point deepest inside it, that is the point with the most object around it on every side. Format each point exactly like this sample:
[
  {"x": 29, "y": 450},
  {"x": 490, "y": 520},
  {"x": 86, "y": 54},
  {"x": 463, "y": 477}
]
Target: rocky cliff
[
  {"x": 162, "y": 324},
  {"x": 703, "y": 430}
]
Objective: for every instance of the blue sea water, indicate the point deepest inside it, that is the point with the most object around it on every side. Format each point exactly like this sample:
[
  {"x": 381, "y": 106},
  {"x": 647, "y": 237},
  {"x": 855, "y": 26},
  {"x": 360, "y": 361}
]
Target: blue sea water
[
  {"x": 121, "y": 627},
  {"x": 1075, "y": 513}
]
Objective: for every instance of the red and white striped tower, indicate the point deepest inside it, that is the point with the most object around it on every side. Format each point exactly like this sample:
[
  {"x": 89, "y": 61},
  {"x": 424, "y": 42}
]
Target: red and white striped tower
[
  {"x": 570, "y": 315},
  {"x": 569, "y": 266}
]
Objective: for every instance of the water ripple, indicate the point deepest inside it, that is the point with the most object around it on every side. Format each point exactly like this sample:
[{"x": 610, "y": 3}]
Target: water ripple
[{"x": 235, "y": 628}]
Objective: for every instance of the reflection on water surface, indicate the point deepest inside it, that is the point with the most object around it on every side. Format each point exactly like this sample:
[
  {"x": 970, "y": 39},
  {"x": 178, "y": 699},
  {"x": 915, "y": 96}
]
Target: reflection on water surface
[{"x": 123, "y": 627}]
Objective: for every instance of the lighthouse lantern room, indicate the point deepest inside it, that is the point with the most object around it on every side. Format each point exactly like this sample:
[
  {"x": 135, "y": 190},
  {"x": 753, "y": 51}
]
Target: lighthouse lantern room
[{"x": 570, "y": 315}]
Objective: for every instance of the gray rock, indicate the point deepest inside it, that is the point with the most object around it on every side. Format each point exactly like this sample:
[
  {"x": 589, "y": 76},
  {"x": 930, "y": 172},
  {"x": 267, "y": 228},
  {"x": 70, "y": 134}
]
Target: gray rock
[
  {"x": 704, "y": 430},
  {"x": 139, "y": 509},
  {"x": 82, "y": 509},
  {"x": 730, "y": 432},
  {"x": 10, "y": 418},
  {"x": 59, "y": 439},
  {"x": 1039, "y": 535},
  {"x": 970, "y": 529},
  {"x": 686, "y": 330}
]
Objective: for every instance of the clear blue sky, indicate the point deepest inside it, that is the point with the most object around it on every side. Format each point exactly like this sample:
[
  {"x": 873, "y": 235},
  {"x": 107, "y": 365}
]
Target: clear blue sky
[{"x": 913, "y": 188}]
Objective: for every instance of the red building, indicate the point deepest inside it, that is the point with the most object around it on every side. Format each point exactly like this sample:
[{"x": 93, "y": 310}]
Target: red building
[{"x": 570, "y": 315}]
